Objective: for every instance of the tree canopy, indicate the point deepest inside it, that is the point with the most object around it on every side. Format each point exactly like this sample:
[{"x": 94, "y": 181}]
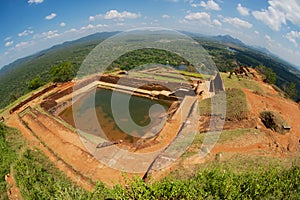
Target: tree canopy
[
  {"x": 63, "y": 72},
  {"x": 269, "y": 75},
  {"x": 291, "y": 90},
  {"x": 35, "y": 83},
  {"x": 140, "y": 57}
]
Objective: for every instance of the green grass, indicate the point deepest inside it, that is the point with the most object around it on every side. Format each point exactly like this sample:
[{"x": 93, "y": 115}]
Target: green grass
[
  {"x": 236, "y": 105},
  {"x": 38, "y": 178},
  {"x": 155, "y": 77},
  {"x": 225, "y": 136},
  {"x": 192, "y": 74},
  {"x": 10, "y": 145},
  {"x": 5, "y": 111},
  {"x": 217, "y": 183},
  {"x": 235, "y": 82},
  {"x": 229, "y": 135}
]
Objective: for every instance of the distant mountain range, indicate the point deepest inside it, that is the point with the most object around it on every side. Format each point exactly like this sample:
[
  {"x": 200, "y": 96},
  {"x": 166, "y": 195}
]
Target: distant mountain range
[
  {"x": 223, "y": 39},
  {"x": 227, "y": 39}
]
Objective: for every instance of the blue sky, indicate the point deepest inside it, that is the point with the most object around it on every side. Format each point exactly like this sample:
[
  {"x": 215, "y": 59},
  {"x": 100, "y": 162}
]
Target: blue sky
[{"x": 29, "y": 26}]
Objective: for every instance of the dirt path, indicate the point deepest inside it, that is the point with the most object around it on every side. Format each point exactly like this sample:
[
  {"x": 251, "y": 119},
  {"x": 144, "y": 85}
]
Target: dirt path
[
  {"x": 13, "y": 191},
  {"x": 162, "y": 164}
]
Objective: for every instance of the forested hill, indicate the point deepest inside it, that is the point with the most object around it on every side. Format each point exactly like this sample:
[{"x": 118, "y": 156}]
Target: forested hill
[
  {"x": 88, "y": 40},
  {"x": 227, "y": 52},
  {"x": 14, "y": 77}
]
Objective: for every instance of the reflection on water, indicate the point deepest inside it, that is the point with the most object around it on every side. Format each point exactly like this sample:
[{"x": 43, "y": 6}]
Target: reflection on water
[{"x": 94, "y": 111}]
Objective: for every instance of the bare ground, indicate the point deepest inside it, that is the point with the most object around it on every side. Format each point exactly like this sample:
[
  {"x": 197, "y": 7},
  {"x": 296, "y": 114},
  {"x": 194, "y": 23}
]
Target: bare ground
[
  {"x": 65, "y": 149},
  {"x": 13, "y": 192}
]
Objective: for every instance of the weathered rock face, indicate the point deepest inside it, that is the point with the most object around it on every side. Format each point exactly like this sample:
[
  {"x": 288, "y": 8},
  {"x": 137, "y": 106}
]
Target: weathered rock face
[{"x": 274, "y": 121}]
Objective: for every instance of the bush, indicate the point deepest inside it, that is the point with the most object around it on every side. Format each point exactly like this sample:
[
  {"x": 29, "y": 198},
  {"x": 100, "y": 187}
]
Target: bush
[{"x": 218, "y": 184}]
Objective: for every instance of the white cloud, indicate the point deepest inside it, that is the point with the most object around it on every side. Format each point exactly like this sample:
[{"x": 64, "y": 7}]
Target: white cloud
[
  {"x": 52, "y": 34},
  {"x": 7, "y": 38},
  {"x": 256, "y": 32},
  {"x": 271, "y": 17},
  {"x": 217, "y": 22},
  {"x": 88, "y": 27},
  {"x": 84, "y": 29},
  {"x": 47, "y": 35},
  {"x": 202, "y": 17},
  {"x": 51, "y": 16},
  {"x": 209, "y": 5},
  {"x": 165, "y": 16},
  {"x": 101, "y": 25},
  {"x": 62, "y": 24},
  {"x": 293, "y": 36},
  {"x": 25, "y": 33},
  {"x": 269, "y": 39},
  {"x": 242, "y": 10},
  {"x": 72, "y": 30},
  {"x": 237, "y": 22},
  {"x": 9, "y": 43},
  {"x": 22, "y": 44},
  {"x": 35, "y": 1},
  {"x": 290, "y": 8},
  {"x": 279, "y": 12},
  {"x": 91, "y": 18},
  {"x": 114, "y": 14}
]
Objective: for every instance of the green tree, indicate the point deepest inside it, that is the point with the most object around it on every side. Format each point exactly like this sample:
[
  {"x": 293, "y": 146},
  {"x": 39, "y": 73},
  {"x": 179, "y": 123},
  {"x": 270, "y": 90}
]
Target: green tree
[
  {"x": 63, "y": 72},
  {"x": 269, "y": 75},
  {"x": 291, "y": 90},
  {"x": 13, "y": 97},
  {"x": 35, "y": 83}
]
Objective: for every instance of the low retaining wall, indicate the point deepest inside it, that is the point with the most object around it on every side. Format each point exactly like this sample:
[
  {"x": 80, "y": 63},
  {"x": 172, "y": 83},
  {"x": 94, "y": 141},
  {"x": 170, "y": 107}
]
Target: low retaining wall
[{"x": 17, "y": 107}]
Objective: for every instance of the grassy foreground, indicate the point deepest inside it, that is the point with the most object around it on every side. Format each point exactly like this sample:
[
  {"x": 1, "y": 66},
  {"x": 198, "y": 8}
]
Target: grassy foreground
[{"x": 38, "y": 178}]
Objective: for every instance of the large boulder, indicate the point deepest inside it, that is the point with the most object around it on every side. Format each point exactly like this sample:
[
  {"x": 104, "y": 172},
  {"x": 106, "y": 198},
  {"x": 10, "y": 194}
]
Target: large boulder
[{"x": 274, "y": 121}]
